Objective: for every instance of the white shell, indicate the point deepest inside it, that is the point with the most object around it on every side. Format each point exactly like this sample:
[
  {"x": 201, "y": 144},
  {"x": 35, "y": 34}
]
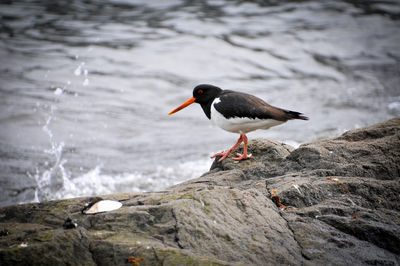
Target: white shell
[
  {"x": 104, "y": 206},
  {"x": 23, "y": 245}
]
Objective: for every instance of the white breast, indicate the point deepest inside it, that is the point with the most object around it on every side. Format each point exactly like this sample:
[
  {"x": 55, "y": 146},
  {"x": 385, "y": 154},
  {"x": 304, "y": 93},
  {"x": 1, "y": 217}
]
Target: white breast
[{"x": 240, "y": 125}]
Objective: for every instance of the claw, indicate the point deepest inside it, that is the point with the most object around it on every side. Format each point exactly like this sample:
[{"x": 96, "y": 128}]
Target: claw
[
  {"x": 241, "y": 157},
  {"x": 223, "y": 157},
  {"x": 225, "y": 154},
  {"x": 222, "y": 153}
]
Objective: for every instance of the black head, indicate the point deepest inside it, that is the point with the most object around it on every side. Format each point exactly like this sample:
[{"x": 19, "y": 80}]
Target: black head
[{"x": 205, "y": 93}]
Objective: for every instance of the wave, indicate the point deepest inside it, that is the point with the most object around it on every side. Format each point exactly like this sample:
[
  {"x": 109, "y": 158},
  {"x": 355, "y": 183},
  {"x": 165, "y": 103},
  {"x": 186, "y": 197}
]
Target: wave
[{"x": 53, "y": 185}]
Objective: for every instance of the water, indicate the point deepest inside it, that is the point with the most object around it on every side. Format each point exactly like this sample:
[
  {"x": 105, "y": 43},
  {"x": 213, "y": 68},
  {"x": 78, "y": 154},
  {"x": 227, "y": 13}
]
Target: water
[{"x": 86, "y": 86}]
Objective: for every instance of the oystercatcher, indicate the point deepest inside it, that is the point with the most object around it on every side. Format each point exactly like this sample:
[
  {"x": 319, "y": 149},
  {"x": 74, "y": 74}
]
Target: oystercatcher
[{"x": 237, "y": 112}]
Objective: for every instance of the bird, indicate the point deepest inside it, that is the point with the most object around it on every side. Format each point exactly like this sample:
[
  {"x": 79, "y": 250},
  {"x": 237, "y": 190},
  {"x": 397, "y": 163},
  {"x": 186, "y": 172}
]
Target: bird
[{"x": 237, "y": 112}]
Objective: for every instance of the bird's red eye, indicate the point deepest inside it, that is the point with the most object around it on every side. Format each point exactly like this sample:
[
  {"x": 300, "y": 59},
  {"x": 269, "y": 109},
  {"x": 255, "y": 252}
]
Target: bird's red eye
[{"x": 200, "y": 91}]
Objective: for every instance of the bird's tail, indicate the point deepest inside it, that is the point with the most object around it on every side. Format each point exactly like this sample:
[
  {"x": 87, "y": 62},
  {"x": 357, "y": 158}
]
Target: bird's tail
[{"x": 295, "y": 115}]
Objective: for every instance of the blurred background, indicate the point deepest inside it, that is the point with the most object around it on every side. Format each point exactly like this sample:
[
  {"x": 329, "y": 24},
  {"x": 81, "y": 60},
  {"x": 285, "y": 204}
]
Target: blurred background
[{"x": 86, "y": 85}]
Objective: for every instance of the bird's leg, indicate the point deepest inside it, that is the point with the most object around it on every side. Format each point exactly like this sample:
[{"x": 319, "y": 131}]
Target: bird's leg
[
  {"x": 244, "y": 155},
  {"x": 225, "y": 154}
]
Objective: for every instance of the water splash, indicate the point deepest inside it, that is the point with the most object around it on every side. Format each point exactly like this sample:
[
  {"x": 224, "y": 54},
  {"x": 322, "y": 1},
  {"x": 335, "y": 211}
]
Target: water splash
[
  {"x": 94, "y": 182},
  {"x": 54, "y": 181},
  {"x": 58, "y": 91},
  {"x": 53, "y": 178},
  {"x": 86, "y": 82},
  {"x": 78, "y": 70},
  {"x": 394, "y": 107}
]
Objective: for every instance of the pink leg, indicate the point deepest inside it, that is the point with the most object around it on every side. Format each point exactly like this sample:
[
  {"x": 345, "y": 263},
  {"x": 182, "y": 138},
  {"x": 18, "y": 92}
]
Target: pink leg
[
  {"x": 225, "y": 154},
  {"x": 244, "y": 155}
]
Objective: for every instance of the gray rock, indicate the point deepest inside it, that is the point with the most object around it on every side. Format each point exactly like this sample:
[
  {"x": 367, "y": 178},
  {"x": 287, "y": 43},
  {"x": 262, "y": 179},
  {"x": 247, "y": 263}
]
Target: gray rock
[{"x": 330, "y": 202}]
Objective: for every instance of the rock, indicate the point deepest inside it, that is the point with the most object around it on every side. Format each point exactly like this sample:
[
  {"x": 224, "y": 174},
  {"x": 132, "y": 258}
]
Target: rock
[{"x": 333, "y": 201}]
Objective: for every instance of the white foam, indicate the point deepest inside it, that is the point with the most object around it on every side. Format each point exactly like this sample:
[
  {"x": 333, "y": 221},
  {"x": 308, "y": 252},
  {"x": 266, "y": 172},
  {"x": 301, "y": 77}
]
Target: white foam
[
  {"x": 54, "y": 181},
  {"x": 292, "y": 143},
  {"x": 94, "y": 182},
  {"x": 394, "y": 106},
  {"x": 58, "y": 91}
]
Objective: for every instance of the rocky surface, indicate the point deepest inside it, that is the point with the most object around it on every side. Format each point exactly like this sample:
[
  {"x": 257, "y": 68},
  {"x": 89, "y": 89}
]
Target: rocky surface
[{"x": 330, "y": 202}]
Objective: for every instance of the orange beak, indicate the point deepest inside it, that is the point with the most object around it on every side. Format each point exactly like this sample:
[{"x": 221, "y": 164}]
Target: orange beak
[{"x": 185, "y": 104}]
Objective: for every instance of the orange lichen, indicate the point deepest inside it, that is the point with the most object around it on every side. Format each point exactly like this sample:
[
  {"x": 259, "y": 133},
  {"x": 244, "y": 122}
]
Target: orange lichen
[
  {"x": 275, "y": 198},
  {"x": 354, "y": 216},
  {"x": 336, "y": 180},
  {"x": 135, "y": 261}
]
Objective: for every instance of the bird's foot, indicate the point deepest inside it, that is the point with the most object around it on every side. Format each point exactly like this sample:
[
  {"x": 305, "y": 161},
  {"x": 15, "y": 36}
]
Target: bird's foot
[
  {"x": 241, "y": 157},
  {"x": 224, "y": 154}
]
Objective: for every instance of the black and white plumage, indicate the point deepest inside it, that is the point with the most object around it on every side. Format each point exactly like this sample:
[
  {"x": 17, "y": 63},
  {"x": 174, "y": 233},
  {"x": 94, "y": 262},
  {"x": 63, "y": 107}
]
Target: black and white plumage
[{"x": 237, "y": 112}]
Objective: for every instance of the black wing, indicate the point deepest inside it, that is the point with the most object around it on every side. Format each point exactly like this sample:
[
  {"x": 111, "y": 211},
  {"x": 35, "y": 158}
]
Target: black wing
[{"x": 239, "y": 104}]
